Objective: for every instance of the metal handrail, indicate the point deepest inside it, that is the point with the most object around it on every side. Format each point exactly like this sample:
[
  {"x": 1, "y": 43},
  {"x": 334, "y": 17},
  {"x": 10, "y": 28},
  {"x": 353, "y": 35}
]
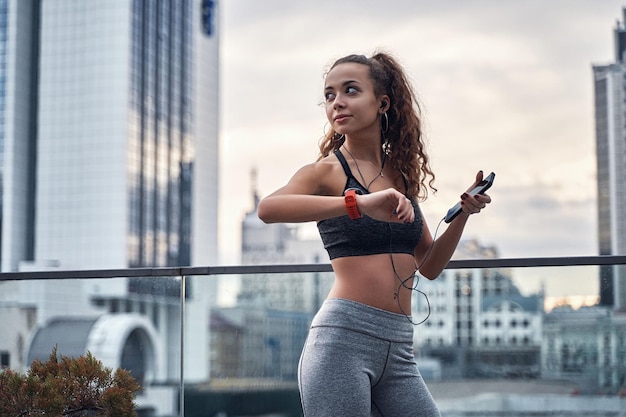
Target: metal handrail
[
  {"x": 285, "y": 268},
  {"x": 301, "y": 268}
]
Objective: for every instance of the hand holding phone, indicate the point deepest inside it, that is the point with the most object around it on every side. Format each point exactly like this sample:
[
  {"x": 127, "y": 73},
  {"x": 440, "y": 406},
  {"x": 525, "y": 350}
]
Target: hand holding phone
[{"x": 482, "y": 186}]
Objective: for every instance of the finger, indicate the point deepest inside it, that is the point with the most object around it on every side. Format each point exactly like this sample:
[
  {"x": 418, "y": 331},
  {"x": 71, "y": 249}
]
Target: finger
[
  {"x": 407, "y": 211},
  {"x": 471, "y": 206},
  {"x": 485, "y": 198},
  {"x": 409, "y": 214},
  {"x": 401, "y": 209},
  {"x": 482, "y": 200},
  {"x": 478, "y": 179}
]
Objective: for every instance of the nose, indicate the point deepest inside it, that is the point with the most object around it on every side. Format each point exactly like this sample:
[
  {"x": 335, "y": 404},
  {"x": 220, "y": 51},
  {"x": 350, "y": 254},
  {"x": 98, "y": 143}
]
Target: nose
[{"x": 338, "y": 103}]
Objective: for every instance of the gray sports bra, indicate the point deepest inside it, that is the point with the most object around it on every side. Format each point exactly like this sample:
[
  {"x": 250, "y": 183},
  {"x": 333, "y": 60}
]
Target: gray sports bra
[{"x": 365, "y": 236}]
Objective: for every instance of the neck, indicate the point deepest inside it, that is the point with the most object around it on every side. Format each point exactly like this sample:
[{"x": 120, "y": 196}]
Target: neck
[{"x": 365, "y": 152}]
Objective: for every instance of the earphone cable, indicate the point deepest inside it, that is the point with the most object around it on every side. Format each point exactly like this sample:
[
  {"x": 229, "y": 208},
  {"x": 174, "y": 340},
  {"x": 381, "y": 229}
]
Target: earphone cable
[{"x": 415, "y": 276}]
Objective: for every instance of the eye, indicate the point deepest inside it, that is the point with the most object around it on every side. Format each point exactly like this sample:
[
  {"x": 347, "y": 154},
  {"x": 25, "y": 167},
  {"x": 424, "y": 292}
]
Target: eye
[
  {"x": 352, "y": 90},
  {"x": 329, "y": 96}
]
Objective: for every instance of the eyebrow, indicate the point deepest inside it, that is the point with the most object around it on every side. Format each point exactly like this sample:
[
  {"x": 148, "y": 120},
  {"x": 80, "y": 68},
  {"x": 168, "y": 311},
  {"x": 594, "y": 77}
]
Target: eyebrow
[{"x": 345, "y": 83}]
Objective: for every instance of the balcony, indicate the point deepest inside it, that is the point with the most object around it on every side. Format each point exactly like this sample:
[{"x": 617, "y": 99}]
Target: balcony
[{"x": 500, "y": 337}]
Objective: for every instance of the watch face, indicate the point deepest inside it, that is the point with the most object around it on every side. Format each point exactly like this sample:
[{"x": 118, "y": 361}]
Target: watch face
[{"x": 356, "y": 190}]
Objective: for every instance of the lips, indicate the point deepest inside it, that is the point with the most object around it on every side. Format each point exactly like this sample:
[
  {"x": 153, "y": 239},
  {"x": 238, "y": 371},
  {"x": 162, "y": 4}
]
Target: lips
[{"x": 341, "y": 117}]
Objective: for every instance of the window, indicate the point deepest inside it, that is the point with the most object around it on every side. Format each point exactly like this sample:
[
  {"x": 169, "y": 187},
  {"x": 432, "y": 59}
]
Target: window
[
  {"x": 5, "y": 359},
  {"x": 208, "y": 13}
]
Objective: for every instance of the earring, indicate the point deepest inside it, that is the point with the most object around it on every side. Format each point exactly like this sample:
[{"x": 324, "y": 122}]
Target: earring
[
  {"x": 336, "y": 137},
  {"x": 325, "y": 129},
  {"x": 384, "y": 123}
]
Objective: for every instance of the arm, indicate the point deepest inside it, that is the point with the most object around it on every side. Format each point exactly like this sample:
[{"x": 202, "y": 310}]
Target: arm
[
  {"x": 433, "y": 260},
  {"x": 305, "y": 198},
  {"x": 284, "y": 207},
  {"x": 301, "y": 200}
]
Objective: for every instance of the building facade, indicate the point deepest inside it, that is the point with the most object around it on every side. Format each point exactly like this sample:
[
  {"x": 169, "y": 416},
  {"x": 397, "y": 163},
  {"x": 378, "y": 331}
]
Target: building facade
[
  {"x": 109, "y": 159},
  {"x": 257, "y": 343},
  {"x": 610, "y": 126},
  {"x": 280, "y": 243},
  {"x": 109, "y": 133},
  {"x": 587, "y": 345},
  {"x": 263, "y": 335},
  {"x": 476, "y": 321}
]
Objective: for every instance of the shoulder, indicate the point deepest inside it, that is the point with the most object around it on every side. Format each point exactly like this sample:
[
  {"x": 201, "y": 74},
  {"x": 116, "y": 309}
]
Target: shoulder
[
  {"x": 322, "y": 167},
  {"x": 326, "y": 175}
]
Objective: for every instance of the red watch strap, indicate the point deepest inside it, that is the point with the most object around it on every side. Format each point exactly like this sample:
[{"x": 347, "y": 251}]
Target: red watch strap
[{"x": 351, "y": 207}]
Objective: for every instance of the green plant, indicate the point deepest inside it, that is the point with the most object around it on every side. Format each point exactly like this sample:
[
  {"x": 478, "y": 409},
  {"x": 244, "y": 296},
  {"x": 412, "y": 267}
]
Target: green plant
[{"x": 66, "y": 386}]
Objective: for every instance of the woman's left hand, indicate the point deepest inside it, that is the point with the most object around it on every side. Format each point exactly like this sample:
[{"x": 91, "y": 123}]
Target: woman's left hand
[{"x": 474, "y": 204}]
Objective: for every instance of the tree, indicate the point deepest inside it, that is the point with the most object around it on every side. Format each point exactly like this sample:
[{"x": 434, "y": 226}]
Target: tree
[{"x": 68, "y": 387}]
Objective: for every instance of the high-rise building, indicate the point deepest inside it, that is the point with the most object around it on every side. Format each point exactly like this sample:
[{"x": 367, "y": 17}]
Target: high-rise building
[
  {"x": 610, "y": 122},
  {"x": 109, "y": 159},
  {"x": 109, "y": 133},
  {"x": 19, "y": 57}
]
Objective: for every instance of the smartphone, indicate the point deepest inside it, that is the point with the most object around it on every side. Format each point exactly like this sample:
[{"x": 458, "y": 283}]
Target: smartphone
[{"x": 482, "y": 186}]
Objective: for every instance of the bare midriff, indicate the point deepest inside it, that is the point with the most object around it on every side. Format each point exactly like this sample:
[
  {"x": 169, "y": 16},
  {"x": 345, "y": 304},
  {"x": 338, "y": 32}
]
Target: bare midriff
[{"x": 371, "y": 280}]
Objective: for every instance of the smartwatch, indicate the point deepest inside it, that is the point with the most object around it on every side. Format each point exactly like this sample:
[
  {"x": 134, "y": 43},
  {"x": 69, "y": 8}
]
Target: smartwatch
[{"x": 351, "y": 207}]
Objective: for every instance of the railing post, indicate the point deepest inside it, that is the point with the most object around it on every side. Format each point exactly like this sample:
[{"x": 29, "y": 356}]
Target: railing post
[{"x": 181, "y": 406}]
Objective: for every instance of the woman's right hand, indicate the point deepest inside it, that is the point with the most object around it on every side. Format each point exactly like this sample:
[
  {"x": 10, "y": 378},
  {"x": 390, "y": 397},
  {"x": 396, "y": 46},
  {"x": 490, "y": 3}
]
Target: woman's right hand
[{"x": 388, "y": 205}]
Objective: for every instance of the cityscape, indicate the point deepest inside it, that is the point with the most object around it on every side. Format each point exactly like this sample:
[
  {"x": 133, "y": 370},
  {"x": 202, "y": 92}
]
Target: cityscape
[{"x": 109, "y": 131}]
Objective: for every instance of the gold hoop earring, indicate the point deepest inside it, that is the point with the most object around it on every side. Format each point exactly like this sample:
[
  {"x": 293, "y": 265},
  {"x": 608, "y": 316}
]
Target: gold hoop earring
[
  {"x": 384, "y": 126},
  {"x": 325, "y": 129},
  {"x": 336, "y": 137}
]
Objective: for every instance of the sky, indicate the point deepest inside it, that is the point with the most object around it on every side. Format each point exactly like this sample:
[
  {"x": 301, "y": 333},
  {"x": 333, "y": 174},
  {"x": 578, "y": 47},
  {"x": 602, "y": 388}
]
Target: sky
[{"x": 505, "y": 86}]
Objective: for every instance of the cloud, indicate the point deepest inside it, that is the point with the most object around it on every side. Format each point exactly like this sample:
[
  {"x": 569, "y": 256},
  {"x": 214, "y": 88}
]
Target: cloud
[
  {"x": 537, "y": 220},
  {"x": 506, "y": 86}
]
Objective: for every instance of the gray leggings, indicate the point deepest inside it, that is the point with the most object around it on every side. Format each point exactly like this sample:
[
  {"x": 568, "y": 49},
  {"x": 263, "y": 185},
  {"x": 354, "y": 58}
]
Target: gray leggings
[{"x": 358, "y": 362}]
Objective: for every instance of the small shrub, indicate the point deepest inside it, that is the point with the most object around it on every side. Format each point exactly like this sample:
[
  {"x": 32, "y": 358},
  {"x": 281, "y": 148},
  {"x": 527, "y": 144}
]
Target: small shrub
[{"x": 68, "y": 387}]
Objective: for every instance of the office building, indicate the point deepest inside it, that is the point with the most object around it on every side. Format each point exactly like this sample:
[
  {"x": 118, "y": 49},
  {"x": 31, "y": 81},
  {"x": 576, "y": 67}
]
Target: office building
[
  {"x": 123, "y": 98},
  {"x": 610, "y": 125},
  {"x": 109, "y": 139}
]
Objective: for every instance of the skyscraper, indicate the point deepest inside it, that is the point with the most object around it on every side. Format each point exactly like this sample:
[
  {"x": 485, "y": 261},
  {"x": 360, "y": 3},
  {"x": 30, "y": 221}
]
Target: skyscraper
[
  {"x": 19, "y": 57},
  {"x": 110, "y": 133},
  {"x": 610, "y": 118},
  {"x": 109, "y": 159}
]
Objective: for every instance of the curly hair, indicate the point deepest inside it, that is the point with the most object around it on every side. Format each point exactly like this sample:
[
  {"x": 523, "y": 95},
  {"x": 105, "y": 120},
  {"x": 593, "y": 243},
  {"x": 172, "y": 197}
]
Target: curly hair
[{"x": 403, "y": 141}]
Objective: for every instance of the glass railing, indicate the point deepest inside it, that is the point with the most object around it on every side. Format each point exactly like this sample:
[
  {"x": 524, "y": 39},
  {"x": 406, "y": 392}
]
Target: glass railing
[{"x": 499, "y": 337}]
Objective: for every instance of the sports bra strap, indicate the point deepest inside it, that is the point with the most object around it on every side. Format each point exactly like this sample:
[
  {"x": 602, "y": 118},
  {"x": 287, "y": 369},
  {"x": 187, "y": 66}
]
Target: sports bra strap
[{"x": 344, "y": 163}]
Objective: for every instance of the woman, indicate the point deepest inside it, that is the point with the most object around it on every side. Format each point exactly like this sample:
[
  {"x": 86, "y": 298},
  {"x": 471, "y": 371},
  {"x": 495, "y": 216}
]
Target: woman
[{"x": 362, "y": 192}]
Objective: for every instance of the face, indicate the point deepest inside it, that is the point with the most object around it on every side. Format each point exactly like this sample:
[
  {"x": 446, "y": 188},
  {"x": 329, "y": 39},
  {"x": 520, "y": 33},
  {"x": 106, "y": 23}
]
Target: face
[{"x": 351, "y": 104}]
